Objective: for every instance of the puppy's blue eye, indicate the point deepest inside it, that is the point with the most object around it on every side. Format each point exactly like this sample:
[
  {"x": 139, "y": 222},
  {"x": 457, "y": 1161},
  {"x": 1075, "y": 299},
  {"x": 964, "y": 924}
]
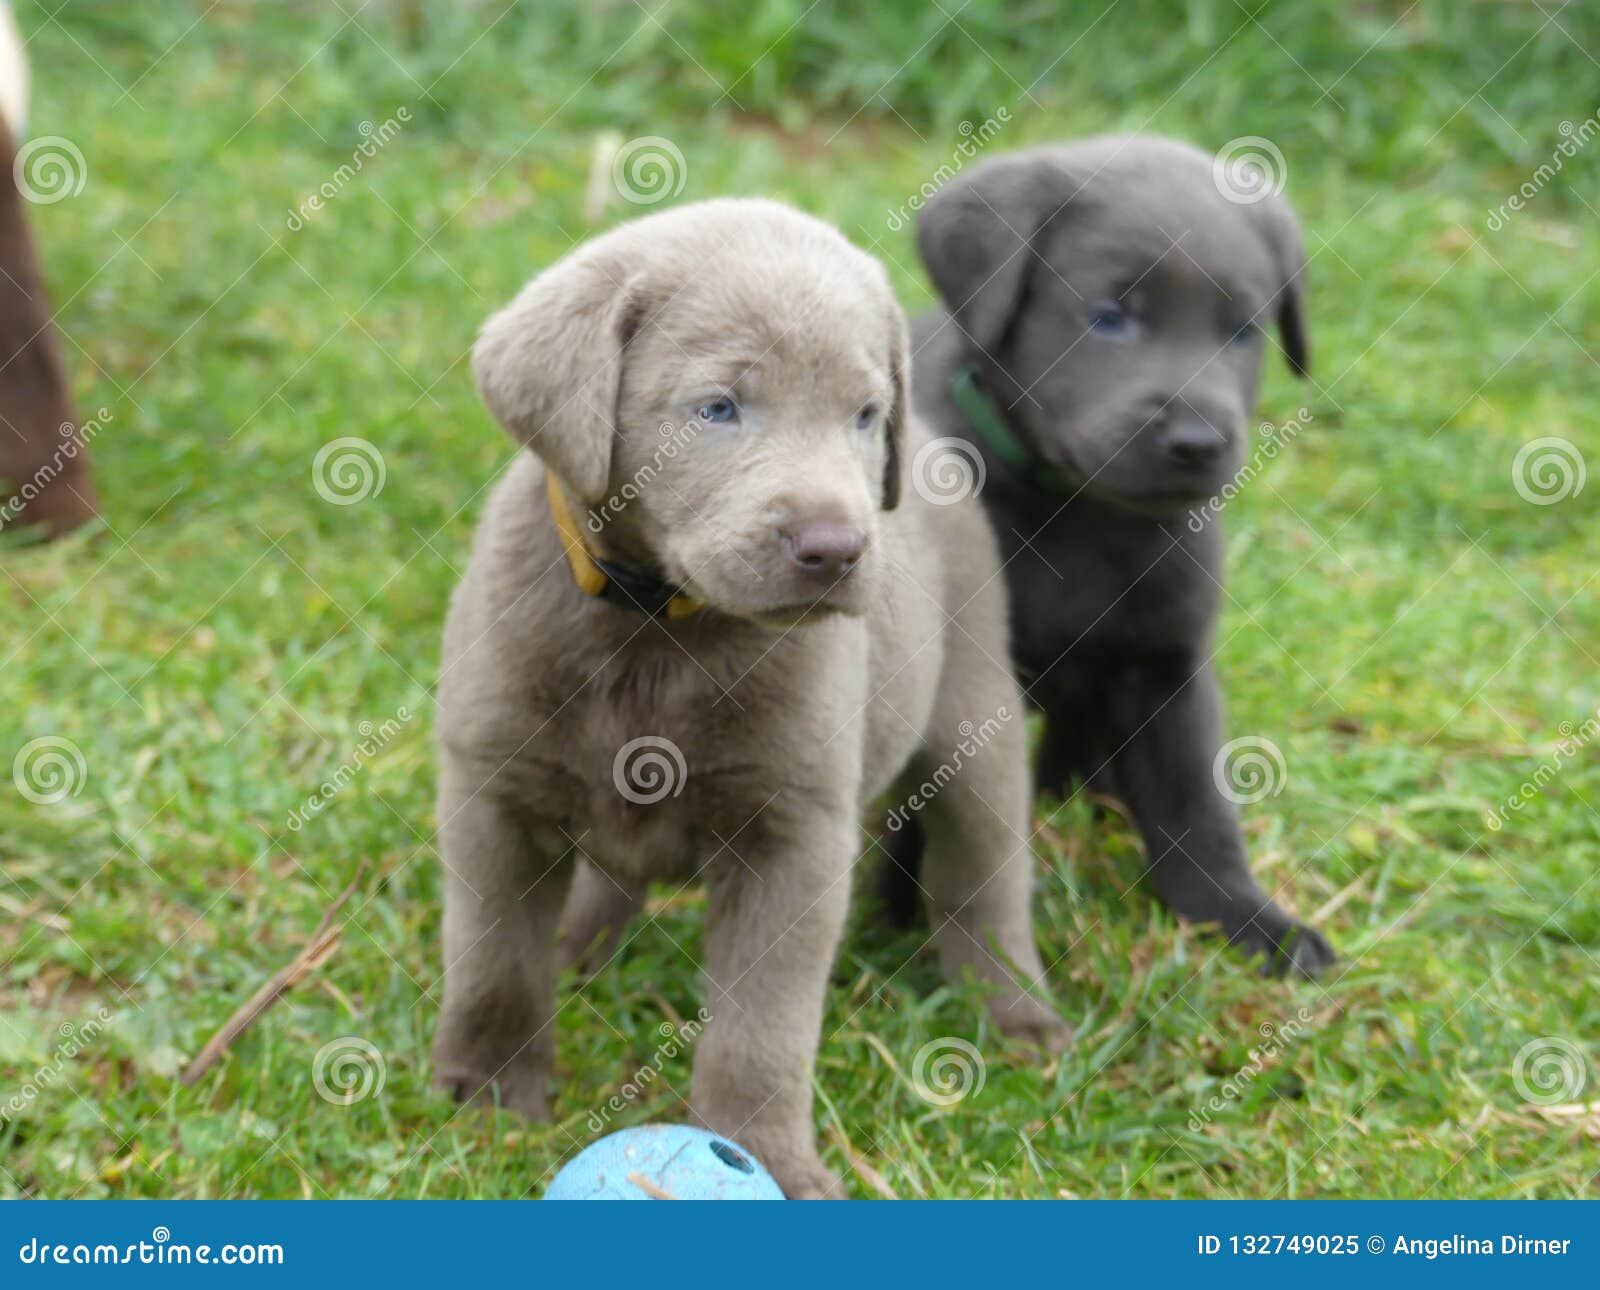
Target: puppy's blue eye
[
  {"x": 866, "y": 417},
  {"x": 1111, "y": 321},
  {"x": 1247, "y": 334},
  {"x": 718, "y": 411}
]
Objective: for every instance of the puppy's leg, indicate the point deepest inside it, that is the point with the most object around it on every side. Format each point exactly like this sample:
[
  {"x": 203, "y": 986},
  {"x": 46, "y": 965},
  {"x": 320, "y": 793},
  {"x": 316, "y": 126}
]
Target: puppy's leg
[
  {"x": 1167, "y": 723},
  {"x": 1068, "y": 755},
  {"x": 505, "y": 878},
  {"x": 897, "y": 849},
  {"x": 770, "y": 941},
  {"x": 597, "y": 913},
  {"x": 978, "y": 870}
]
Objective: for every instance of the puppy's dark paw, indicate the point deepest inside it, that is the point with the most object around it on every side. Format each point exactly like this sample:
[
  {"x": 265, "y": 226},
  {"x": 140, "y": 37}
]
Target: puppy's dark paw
[
  {"x": 1286, "y": 946},
  {"x": 1306, "y": 953}
]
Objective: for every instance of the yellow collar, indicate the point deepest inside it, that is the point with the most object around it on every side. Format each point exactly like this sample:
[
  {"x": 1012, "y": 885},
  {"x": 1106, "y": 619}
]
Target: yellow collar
[{"x": 628, "y": 588}]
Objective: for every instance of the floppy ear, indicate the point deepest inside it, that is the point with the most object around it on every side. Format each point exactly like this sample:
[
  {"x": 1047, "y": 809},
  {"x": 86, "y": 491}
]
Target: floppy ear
[
  {"x": 1292, "y": 327},
  {"x": 1282, "y": 233},
  {"x": 549, "y": 366},
  {"x": 900, "y": 410},
  {"x": 976, "y": 238}
]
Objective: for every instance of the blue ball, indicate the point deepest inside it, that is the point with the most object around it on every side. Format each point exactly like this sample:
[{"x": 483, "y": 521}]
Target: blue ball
[{"x": 663, "y": 1162}]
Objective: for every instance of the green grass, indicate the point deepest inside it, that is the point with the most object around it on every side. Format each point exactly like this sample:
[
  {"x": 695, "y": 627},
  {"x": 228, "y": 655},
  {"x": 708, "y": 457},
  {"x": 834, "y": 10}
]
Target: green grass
[{"x": 1408, "y": 630}]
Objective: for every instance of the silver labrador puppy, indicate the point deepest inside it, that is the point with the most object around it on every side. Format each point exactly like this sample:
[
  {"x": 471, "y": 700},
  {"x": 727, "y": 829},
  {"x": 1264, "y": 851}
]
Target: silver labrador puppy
[
  {"x": 702, "y": 628},
  {"x": 1101, "y": 343}
]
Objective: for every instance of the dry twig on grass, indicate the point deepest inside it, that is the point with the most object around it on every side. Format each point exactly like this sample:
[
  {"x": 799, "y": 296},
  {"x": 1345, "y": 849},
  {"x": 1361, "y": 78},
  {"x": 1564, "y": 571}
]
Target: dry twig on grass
[{"x": 317, "y": 951}]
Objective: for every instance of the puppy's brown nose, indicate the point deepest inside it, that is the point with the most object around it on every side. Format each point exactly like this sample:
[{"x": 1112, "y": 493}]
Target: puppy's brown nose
[
  {"x": 1194, "y": 442},
  {"x": 827, "y": 550}
]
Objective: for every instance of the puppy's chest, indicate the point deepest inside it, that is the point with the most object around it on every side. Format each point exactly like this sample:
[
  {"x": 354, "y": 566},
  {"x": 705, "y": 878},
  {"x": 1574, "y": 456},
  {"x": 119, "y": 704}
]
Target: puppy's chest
[
  {"x": 652, "y": 771},
  {"x": 1076, "y": 588}
]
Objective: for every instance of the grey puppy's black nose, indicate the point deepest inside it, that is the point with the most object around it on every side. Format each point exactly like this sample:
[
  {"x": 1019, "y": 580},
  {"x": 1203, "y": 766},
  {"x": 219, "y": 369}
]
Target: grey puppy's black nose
[
  {"x": 1193, "y": 442},
  {"x": 828, "y": 550}
]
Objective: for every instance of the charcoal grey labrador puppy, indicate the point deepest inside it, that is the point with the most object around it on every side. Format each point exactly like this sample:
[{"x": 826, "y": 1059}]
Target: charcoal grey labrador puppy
[
  {"x": 702, "y": 628},
  {"x": 1100, "y": 346}
]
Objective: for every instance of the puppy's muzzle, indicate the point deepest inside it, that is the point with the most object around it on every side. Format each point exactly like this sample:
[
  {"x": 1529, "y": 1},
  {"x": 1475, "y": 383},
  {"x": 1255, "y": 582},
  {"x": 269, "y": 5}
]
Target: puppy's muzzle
[
  {"x": 825, "y": 551},
  {"x": 1193, "y": 443}
]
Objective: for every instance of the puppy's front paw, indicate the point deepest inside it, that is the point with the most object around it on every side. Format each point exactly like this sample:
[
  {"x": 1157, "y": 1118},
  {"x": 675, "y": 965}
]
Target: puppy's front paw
[
  {"x": 806, "y": 1179},
  {"x": 793, "y": 1162},
  {"x": 1285, "y": 946},
  {"x": 1032, "y": 1023},
  {"x": 519, "y": 1085},
  {"x": 1299, "y": 951}
]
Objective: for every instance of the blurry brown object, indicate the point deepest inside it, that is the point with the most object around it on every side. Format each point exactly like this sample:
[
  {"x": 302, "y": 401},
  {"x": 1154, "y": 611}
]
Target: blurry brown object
[{"x": 44, "y": 464}]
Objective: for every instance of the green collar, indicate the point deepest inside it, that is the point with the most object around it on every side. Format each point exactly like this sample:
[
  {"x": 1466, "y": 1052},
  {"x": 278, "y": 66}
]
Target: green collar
[{"x": 983, "y": 414}]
